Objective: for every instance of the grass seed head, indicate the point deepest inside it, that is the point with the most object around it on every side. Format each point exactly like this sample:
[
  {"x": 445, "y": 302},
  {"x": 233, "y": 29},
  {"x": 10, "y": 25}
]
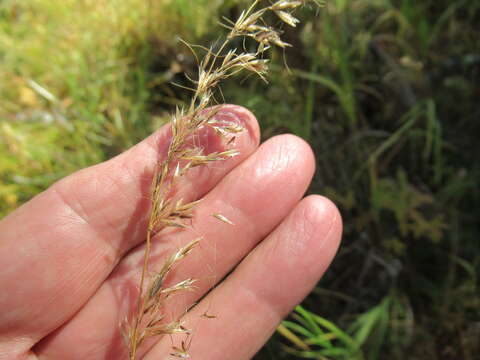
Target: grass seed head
[{"x": 167, "y": 211}]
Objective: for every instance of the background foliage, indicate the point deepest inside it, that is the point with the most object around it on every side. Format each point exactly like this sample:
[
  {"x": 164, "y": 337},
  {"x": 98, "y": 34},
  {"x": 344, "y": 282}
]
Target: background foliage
[{"x": 386, "y": 91}]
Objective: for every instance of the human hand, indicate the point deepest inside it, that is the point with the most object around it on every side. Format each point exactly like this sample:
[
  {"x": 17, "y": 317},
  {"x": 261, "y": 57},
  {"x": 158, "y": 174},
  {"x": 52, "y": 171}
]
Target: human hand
[{"x": 72, "y": 256}]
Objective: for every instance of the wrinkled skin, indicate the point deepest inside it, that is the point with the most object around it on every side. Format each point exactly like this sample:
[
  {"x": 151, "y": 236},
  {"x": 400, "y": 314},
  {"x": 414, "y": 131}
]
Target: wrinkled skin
[{"x": 71, "y": 257}]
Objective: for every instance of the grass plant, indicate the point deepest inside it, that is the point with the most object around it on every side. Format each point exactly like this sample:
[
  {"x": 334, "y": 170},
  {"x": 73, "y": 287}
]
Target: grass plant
[{"x": 167, "y": 210}]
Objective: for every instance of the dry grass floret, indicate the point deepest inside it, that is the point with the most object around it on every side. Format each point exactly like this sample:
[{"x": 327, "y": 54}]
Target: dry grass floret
[{"x": 166, "y": 209}]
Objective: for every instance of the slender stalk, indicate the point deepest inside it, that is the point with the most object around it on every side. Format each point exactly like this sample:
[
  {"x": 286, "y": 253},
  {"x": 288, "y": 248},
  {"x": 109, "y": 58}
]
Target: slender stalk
[{"x": 141, "y": 304}]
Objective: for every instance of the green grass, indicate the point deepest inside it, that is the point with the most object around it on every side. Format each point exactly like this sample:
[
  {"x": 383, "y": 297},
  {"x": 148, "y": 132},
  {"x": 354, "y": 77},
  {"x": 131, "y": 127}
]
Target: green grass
[
  {"x": 385, "y": 91},
  {"x": 82, "y": 81}
]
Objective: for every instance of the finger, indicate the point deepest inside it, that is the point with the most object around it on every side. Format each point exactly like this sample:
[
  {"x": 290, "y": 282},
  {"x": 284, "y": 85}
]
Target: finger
[
  {"x": 256, "y": 196},
  {"x": 57, "y": 249},
  {"x": 275, "y": 277}
]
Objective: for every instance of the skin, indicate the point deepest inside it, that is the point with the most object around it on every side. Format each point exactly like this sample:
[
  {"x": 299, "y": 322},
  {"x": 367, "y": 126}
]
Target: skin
[{"x": 71, "y": 257}]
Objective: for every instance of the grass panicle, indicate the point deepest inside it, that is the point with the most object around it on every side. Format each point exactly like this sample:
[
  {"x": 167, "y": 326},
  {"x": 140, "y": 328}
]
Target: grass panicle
[{"x": 166, "y": 210}]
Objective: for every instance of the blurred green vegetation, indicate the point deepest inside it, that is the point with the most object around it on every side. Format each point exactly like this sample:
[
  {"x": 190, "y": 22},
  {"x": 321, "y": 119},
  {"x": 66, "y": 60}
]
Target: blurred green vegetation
[{"x": 386, "y": 91}]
